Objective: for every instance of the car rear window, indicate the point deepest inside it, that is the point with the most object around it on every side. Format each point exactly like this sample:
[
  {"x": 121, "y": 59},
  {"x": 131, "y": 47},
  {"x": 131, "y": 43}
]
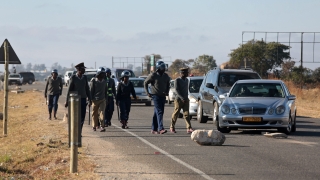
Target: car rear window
[{"x": 228, "y": 79}]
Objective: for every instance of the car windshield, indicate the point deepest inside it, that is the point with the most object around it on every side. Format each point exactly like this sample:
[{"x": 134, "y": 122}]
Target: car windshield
[
  {"x": 137, "y": 83},
  {"x": 194, "y": 85},
  {"x": 228, "y": 79},
  {"x": 257, "y": 90},
  {"x": 14, "y": 76}
]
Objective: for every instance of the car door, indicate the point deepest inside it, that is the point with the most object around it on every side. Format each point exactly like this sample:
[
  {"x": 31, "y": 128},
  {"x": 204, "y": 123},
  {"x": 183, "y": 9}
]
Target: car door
[{"x": 206, "y": 93}]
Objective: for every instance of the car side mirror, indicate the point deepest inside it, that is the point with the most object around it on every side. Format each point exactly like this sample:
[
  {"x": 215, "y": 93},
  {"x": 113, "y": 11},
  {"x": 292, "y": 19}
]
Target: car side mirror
[
  {"x": 223, "y": 96},
  {"x": 291, "y": 97},
  {"x": 210, "y": 85}
]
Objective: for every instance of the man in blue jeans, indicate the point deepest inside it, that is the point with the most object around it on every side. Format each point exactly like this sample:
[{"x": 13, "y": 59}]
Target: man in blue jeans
[
  {"x": 159, "y": 81},
  {"x": 52, "y": 92}
]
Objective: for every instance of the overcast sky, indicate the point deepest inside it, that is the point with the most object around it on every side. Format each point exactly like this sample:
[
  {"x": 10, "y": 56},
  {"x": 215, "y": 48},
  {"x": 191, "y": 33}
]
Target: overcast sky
[{"x": 93, "y": 32}]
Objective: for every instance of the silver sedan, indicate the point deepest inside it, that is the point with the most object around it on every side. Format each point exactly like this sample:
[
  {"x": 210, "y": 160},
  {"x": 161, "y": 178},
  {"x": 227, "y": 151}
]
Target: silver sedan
[{"x": 258, "y": 104}]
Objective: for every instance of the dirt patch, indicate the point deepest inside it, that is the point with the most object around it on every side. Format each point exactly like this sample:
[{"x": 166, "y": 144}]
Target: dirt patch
[{"x": 36, "y": 148}]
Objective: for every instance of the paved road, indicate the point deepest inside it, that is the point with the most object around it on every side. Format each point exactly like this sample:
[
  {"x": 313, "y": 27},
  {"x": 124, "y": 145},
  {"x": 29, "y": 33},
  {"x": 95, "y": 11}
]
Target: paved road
[{"x": 244, "y": 155}]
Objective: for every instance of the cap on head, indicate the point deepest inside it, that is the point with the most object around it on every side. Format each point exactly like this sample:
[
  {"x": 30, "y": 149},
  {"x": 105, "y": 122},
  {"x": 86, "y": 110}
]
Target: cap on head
[
  {"x": 108, "y": 70},
  {"x": 80, "y": 66},
  {"x": 185, "y": 69}
]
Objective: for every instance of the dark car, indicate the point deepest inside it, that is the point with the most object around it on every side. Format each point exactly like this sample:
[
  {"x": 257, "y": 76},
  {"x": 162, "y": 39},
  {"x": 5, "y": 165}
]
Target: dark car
[
  {"x": 217, "y": 82},
  {"x": 28, "y": 77}
]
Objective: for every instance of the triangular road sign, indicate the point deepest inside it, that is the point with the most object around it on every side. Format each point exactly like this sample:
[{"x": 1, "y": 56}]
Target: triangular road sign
[{"x": 13, "y": 58}]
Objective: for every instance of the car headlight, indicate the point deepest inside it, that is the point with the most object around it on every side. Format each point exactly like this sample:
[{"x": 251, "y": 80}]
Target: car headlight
[
  {"x": 192, "y": 100},
  {"x": 280, "y": 109},
  {"x": 271, "y": 111},
  {"x": 225, "y": 109},
  {"x": 233, "y": 111}
]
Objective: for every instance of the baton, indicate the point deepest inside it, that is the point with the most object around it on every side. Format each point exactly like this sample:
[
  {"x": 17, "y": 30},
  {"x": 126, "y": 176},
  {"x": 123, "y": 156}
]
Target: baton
[
  {"x": 118, "y": 112},
  {"x": 89, "y": 116}
]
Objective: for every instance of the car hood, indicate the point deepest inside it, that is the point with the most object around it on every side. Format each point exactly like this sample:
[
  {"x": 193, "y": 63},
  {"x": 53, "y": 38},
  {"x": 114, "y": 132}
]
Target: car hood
[
  {"x": 139, "y": 90},
  {"x": 194, "y": 95},
  {"x": 239, "y": 102}
]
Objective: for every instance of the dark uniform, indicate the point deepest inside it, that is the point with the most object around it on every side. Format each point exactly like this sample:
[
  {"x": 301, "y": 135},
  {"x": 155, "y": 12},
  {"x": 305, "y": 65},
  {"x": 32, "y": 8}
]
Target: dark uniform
[
  {"x": 79, "y": 83},
  {"x": 110, "y": 106}
]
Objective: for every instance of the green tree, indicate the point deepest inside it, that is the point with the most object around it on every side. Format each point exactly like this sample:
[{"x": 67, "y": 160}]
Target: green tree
[
  {"x": 260, "y": 56},
  {"x": 286, "y": 70},
  {"x": 204, "y": 63},
  {"x": 316, "y": 75},
  {"x": 147, "y": 59},
  {"x": 174, "y": 68}
]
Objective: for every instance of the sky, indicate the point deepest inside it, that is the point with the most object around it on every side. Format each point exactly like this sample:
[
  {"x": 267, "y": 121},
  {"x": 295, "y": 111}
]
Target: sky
[{"x": 99, "y": 31}]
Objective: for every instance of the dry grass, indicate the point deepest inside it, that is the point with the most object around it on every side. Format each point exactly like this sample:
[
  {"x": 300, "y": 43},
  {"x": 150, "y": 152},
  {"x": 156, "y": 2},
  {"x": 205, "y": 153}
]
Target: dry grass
[
  {"x": 36, "y": 148},
  {"x": 307, "y": 101}
]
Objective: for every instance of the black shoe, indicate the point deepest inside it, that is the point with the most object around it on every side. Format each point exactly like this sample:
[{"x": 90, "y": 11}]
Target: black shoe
[{"x": 109, "y": 123}]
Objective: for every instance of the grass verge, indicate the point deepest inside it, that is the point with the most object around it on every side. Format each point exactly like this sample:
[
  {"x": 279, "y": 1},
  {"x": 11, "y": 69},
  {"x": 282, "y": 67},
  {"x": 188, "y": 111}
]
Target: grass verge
[{"x": 36, "y": 148}]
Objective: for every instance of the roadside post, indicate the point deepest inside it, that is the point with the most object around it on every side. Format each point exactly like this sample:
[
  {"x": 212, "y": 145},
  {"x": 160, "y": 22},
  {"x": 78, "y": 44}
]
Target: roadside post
[
  {"x": 74, "y": 134},
  {"x": 71, "y": 110},
  {"x": 7, "y": 51}
]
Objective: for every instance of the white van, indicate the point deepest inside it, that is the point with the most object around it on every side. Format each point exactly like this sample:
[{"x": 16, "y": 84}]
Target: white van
[{"x": 67, "y": 76}]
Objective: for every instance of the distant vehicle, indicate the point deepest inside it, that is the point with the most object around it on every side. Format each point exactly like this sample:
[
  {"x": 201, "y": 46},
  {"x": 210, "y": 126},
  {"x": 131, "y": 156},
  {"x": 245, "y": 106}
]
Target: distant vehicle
[
  {"x": 172, "y": 95},
  {"x": 28, "y": 77},
  {"x": 67, "y": 76},
  {"x": 141, "y": 94},
  {"x": 258, "y": 104},
  {"x": 144, "y": 77},
  {"x": 90, "y": 75},
  {"x": 15, "y": 79}
]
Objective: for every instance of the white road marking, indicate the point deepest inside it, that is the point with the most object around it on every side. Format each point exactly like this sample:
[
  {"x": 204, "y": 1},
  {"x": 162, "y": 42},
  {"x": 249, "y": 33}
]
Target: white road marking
[
  {"x": 168, "y": 155},
  {"x": 311, "y": 144}
]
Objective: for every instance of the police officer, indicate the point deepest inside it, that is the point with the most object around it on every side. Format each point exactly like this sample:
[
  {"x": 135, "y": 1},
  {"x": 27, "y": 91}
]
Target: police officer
[
  {"x": 123, "y": 98},
  {"x": 159, "y": 81},
  {"x": 111, "y": 95},
  {"x": 79, "y": 83},
  {"x": 52, "y": 92}
]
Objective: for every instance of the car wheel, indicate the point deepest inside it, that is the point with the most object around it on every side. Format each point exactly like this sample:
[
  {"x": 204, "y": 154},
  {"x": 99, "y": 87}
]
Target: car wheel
[
  {"x": 224, "y": 129},
  {"x": 30, "y": 82},
  {"x": 287, "y": 130},
  {"x": 169, "y": 102},
  {"x": 148, "y": 103},
  {"x": 180, "y": 115},
  {"x": 215, "y": 112},
  {"x": 200, "y": 117}
]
